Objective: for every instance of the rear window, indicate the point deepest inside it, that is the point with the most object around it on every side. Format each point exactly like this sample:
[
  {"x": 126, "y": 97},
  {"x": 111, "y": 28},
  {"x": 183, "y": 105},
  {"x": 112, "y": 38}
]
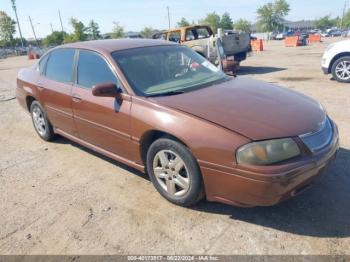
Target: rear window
[{"x": 59, "y": 65}]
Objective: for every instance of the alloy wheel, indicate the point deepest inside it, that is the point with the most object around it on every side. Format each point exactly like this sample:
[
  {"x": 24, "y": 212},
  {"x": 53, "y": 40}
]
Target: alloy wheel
[
  {"x": 171, "y": 173},
  {"x": 342, "y": 70},
  {"x": 39, "y": 120}
]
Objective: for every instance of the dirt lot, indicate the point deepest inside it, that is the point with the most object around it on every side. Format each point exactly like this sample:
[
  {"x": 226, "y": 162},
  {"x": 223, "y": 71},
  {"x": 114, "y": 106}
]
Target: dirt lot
[{"x": 59, "y": 198}]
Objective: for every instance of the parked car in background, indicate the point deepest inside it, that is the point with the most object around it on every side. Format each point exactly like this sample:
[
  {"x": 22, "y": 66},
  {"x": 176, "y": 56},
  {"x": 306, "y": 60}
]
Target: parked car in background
[
  {"x": 314, "y": 32},
  {"x": 203, "y": 40},
  {"x": 162, "y": 108},
  {"x": 345, "y": 33},
  {"x": 283, "y": 35},
  {"x": 335, "y": 33},
  {"x": 280, "y": 36},
  {"x": 336, "y": 61},
  {"x": 332, "y": 33},
  {"x": 132, "y": 35},
  {"x": 19, "y": 51}
]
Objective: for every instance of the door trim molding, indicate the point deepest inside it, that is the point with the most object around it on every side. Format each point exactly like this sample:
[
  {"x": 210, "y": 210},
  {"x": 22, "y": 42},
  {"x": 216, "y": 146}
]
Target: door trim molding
[
  {"x": 111, "y": 130},
  {"x": 100, "y": 150}
]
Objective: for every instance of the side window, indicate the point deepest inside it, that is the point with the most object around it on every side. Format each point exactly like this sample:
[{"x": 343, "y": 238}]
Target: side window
[
  {"x": 161, "y": 36},
  {"x": 175, "y": 36},
  {"x": 189, "y": 35},
  {"x": 59, "y": 65},
  {"x": 42, "y": 64},
  {"x": 202, "y": 33},
  {"x": 93, "y": 69}
]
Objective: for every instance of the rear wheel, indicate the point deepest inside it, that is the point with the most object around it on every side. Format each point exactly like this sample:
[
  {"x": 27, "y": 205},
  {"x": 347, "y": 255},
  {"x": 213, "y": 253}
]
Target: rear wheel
[
  {"x": 41, "y": 124},
  {"x": 174, "y": 172},
  {"x": 341, "y": 69}
]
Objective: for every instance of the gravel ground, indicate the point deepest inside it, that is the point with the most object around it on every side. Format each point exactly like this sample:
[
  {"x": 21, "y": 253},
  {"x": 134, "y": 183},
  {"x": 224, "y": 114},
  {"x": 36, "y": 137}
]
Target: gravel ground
[{"x": 60, "y": 198}]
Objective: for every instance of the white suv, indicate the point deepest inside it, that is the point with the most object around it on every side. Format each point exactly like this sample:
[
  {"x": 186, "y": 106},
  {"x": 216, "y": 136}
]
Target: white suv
[{"x": 336, "y": 61}]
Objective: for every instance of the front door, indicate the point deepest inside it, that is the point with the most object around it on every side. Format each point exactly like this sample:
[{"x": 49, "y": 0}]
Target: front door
[{"x": 100, "y": 121}]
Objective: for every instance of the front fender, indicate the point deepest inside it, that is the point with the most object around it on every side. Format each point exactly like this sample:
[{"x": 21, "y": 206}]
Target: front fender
[{"x": 209, "y": 143}]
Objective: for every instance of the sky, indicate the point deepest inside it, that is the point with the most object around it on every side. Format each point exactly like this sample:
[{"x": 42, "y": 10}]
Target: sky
[{"x": 133, "y": 15}]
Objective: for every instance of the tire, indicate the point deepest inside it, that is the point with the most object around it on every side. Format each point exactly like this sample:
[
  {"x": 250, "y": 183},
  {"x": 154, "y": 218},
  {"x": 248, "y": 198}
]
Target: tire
[
  {"x": 341, "y": 69},
  {"x": 178, "y": 182},
  {"x": 41, "y": 124}
]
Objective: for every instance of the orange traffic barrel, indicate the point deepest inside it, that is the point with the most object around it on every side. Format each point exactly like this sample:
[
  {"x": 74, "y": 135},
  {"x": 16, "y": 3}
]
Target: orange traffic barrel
[
  {"x": 257, "y": 45},
  {"x": 314, "y": 38},
  {"x": 291, "y": 41},
  {"x": 30, "y": 56}
]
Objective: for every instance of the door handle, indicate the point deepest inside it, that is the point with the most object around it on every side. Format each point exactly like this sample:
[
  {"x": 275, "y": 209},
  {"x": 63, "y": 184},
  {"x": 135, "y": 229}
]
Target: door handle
[{"x": 76, "y": 98}]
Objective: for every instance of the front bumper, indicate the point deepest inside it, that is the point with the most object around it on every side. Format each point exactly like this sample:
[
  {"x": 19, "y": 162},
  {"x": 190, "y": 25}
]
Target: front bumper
[
  {"x": 253, "y": 188},
  {"x": 325, "y": 70}
]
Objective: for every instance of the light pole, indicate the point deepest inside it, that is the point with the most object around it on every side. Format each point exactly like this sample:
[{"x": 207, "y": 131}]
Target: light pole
[
  {"x": 36, "y": 40},
  {"x": 59, "y": 14},
  {"x": 19, "y": 28},
  {"x": 342, "y": 18},
  {"x": 168, "y": 16}
]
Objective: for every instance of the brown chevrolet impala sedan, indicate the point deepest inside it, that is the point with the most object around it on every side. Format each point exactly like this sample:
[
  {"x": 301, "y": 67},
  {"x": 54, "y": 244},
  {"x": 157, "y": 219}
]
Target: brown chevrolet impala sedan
[{"x": 161, "y": 108}]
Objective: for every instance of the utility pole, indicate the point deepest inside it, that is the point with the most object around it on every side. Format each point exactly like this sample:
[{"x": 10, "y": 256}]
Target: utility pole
[
  {"x": 19, "y": 28},
  {"x": 59, "y": 14},
  {"x": 168, "y": 16},
  {"x": 36, "y": 40},
  {"x": 51, "y": 27},
  {"x": 342, "y": 18}
]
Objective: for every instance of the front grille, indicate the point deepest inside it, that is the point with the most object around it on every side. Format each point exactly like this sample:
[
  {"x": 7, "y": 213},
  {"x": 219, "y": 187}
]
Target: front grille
[{"x": 319, "y": 139}]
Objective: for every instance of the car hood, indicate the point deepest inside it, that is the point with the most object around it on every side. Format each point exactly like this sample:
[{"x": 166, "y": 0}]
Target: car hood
[
  {"x": 255, "y": 109},
  {"x": 341, "y": 46}
]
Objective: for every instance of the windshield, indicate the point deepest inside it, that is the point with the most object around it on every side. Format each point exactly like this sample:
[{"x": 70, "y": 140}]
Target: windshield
[{"x": 164, "y": 70}]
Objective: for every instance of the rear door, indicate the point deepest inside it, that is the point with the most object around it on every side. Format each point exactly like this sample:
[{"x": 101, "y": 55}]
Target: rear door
[
  {"x": 55, "y": 84},
  {"x": 100, "y": 121}
]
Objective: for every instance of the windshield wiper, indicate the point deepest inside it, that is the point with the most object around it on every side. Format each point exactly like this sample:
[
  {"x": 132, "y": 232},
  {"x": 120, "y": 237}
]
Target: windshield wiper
[{"x": 170, "y": 93}]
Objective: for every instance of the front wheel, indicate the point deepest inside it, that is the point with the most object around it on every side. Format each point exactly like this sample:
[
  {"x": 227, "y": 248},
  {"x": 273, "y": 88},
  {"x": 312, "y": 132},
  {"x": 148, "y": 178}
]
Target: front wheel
[
  {"x": 341, "y": 69},
  {"x": 174, "y": 172}
]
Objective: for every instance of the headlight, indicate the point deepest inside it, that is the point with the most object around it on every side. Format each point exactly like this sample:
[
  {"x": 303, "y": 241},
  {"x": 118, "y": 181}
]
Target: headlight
[{"x": 267, "y": 152}]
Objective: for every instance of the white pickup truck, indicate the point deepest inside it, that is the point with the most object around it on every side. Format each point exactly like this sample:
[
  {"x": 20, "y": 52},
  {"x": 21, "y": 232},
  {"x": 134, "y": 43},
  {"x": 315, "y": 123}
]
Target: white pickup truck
[{"x": 336, "y": 61}]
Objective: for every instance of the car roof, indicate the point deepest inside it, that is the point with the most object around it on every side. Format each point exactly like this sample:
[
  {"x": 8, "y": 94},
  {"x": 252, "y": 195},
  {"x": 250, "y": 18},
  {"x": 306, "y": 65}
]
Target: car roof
[
  {"x": 186, "y": 28},
  {"x": 111, "y": 45}
]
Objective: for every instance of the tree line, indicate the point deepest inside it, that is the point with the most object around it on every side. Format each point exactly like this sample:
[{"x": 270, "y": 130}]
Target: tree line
[{"x": 270, "y": 18}]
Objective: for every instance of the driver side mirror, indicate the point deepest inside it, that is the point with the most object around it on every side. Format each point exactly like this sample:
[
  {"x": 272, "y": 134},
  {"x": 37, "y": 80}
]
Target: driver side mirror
[{"x": 107, "y": 90}]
